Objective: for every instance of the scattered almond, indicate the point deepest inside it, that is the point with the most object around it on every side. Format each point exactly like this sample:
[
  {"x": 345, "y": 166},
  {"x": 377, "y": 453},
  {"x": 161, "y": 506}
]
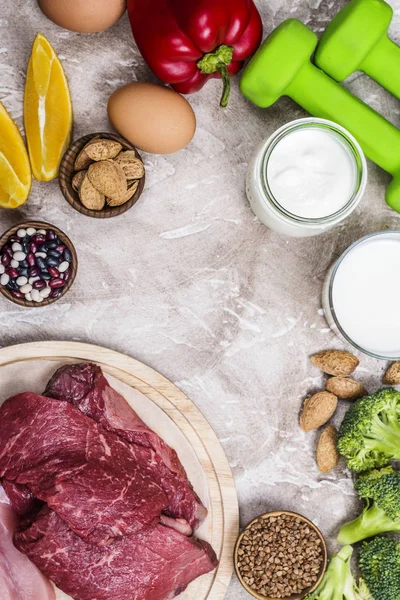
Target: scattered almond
[
  {"x": 392, "y": 375},
  {"x": 317, "y": 410},
  {"x": 108, "y": 177},
  {"x": 90, "y": 196},
  {"x": 345, "y": 388},
  {"x": 77, "y": 180},
  {"x": 103, "y": 149},
  {"x": 335, "y": 362},
  {"x": 327, "y": 454},
  {"x": 131, "y": 191}
]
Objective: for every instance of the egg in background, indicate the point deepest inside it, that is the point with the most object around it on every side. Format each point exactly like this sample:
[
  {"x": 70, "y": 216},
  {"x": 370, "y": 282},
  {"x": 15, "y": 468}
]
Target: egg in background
[
  {"x": 152, "y": 117},
  {"x": 83, "y": 16}
]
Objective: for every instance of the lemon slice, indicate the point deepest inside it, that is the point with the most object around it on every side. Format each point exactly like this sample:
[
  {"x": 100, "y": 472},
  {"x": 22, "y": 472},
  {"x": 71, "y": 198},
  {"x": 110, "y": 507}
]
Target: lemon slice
[
  {"x": 15, "y": 170},
  {"x": 47, "y": 110}
]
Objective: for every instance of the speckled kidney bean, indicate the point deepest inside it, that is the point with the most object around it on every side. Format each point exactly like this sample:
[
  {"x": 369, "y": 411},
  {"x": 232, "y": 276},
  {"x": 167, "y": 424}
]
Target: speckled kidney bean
[
  {"x": 31, "y": 259},
  {"x": 17, "y": 294},
  {"x": 40, "y": 262},
  {"x": 39, "y": 285},
  {"x": 56, "y": 283},
  {"x": 13, "y": 273},
  {"x": 54, "y": 272},
  {"x": 34, "y": 272},
  {"x": 33, "y": 247}
]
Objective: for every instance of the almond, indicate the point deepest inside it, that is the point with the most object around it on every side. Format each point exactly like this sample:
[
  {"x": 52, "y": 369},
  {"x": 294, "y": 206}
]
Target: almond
[
  {"x": 346, "y": 388},
  {"x": 109, "y": 179},
  {"x": 90, "y": 196},
  {"x": 103, "y": 149},
  {"x": 392, "y": 375},
  {"x": 131, "y": 191},
  {"x": 317, "y": 410},
  {"x": 327, "y": 453},
  {"x": 77, "y": 180},
  {"x": 335, "y": 362},
  {"x": 82, "y": 161},
  {"x": 130, "y": 164}
]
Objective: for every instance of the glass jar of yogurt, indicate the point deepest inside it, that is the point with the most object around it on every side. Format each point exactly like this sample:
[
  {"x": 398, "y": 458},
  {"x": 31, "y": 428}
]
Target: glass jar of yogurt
[
  {"x": 307, "y": 177},
  {"x": 361, "y": 295}
]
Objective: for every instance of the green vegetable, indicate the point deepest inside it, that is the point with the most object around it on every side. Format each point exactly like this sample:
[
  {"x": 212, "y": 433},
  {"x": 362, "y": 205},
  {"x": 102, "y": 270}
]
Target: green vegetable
[
  {"x": 338, "y": 582},
  {"x": 369, "y": 436},
  {"x": 381, "y": 490},
  {"x": 380, "y": 567}
]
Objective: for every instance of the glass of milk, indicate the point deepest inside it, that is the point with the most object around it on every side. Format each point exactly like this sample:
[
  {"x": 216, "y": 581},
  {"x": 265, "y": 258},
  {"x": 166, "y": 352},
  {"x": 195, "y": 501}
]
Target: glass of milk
[
  {"x": 361, "y": 295},
  {"x": 307, "y": 177}
]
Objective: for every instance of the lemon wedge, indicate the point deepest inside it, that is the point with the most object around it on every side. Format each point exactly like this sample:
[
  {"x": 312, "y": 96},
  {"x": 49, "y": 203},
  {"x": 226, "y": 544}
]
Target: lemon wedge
[
  {"x": 47, "y": 110},
  {"x": 15, "y": 170}
]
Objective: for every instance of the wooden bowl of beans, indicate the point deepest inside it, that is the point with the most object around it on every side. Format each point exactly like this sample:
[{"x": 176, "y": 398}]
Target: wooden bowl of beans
[
  {"x": 38, "y": 264},
  {"x": 68, "y": 170},
  {"x": 280, "y": 555}
]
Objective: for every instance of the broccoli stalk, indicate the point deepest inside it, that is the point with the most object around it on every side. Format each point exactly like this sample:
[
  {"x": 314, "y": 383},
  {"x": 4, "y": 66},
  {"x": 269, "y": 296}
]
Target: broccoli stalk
[
  {"x": 381, "y": 490},
  {"x": 369, "y": 436},
  {"x": 338, "y": 582},
  {"x": 380, "y": 567}
]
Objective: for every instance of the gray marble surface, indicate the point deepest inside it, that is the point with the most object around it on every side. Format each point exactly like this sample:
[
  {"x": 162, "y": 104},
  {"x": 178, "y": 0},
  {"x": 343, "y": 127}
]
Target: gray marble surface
[{"x": 189, "y": 281}]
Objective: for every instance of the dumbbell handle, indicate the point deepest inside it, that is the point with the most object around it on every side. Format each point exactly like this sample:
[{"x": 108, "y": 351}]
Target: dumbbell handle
[
  {"x": 383, "y": 65},
  {"x": 322, "y": 97}
]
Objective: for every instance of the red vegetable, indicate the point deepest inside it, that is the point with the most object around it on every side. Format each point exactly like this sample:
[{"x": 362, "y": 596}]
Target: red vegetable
[{"x": 185, "y": 42}]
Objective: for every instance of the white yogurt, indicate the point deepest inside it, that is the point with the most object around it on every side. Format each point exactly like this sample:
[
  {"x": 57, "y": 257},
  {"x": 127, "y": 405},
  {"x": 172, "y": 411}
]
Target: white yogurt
[
  {"x": 307, "y": 177},
  {"x": 312, "y": 173},
  {"x": 361, "y": 296}
]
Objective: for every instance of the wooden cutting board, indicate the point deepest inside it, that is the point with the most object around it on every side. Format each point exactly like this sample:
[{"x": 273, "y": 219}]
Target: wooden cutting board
[{"x": 222, "y": 524}]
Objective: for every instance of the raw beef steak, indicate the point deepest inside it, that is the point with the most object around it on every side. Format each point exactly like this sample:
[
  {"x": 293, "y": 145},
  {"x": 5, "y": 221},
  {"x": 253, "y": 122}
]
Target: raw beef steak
[
  {"x": 85, "y": 386},
  {"x": 155, "y": 565},
  {"x": 99, "y": 484}
]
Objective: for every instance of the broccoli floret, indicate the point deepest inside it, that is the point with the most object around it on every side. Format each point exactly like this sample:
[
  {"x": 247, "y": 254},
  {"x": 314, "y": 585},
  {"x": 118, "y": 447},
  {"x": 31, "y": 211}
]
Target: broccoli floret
[
  {"x": 338, "y": 582},
  {"x": 380, "y": 567},
  {"x": 369, "y": 436},
  {"x": 381, "y": 490}
]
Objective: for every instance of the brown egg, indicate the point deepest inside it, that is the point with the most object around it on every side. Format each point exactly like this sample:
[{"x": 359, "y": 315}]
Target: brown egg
[
  {"x": 153, "y": 118},
  {"x": 84, "y": 16}
]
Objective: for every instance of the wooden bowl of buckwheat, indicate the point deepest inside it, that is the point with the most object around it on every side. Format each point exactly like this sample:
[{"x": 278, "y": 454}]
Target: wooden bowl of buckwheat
[{"x": 280, "y": 555}]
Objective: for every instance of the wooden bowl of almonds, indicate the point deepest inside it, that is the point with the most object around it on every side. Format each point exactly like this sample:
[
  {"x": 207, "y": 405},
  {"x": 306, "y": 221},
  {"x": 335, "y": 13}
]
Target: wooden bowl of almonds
[
  {"x": 102, "y": 175},
  {"x": 280, "y": 555}
]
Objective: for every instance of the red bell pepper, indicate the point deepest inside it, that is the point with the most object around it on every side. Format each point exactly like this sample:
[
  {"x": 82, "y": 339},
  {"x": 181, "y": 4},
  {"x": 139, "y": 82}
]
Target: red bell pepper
[{"x": 185, "y": 42}]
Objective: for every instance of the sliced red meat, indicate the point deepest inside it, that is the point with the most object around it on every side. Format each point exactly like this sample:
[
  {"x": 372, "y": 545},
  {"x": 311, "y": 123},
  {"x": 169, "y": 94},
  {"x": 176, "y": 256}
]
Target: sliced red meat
[
  {"x": 22, "y": 500},
  {"x": 20, "y": 579},
  {"x": 85, "y": 386},
  {"x": 99, "y": 484},
  {"x": 155, "y": 565}
]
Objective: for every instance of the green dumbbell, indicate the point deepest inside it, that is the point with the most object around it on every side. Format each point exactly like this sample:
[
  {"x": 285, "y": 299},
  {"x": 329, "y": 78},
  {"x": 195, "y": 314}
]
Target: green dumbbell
[
  {"x": 282, "y": 67},
  {"x": 357, "y": 40}
]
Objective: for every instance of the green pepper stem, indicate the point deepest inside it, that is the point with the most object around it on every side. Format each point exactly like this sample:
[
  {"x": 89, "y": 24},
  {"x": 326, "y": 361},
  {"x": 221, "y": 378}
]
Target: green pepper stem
[{"x": 219, "y": 61}]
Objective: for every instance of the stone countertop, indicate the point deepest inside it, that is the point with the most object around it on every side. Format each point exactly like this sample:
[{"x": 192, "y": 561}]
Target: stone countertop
[{"x": 189, "y": 281}]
